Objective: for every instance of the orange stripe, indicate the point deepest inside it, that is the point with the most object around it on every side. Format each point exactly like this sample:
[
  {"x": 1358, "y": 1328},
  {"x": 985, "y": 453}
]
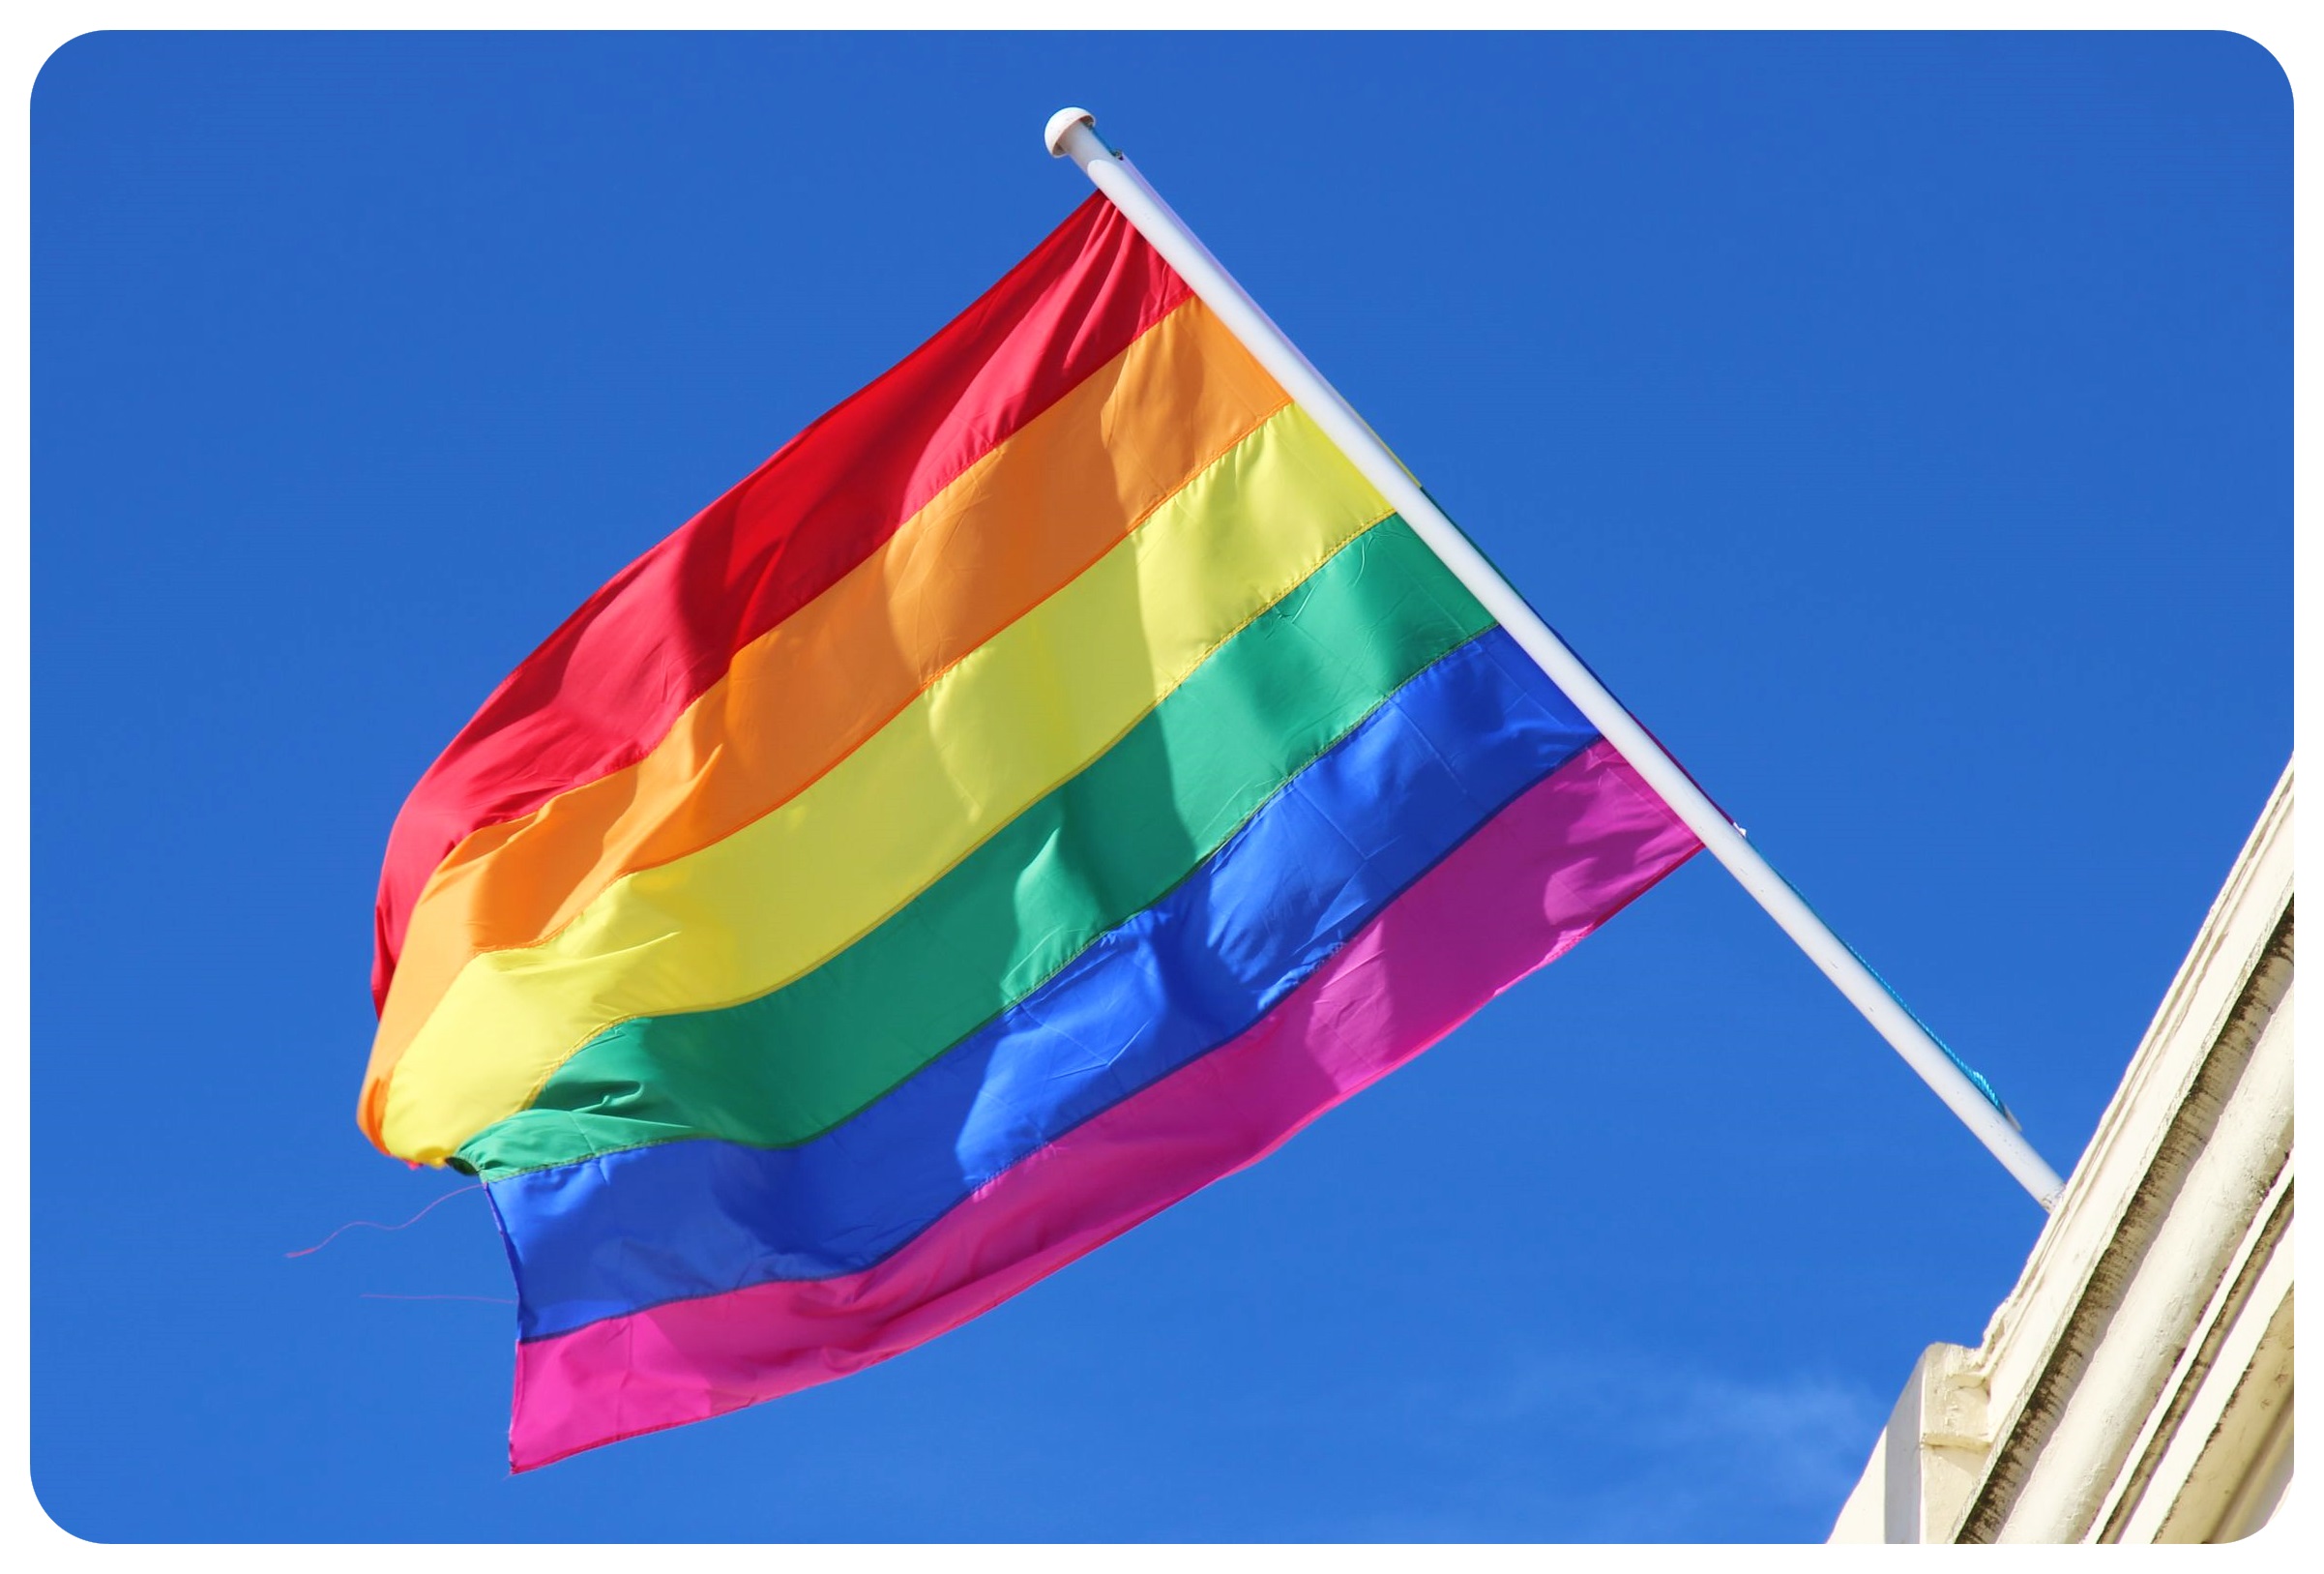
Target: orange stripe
[{"x": 1018, "y": 526}]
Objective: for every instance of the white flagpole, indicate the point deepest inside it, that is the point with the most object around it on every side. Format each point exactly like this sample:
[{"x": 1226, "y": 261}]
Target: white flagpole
[{"x": 1070, "y": 135}]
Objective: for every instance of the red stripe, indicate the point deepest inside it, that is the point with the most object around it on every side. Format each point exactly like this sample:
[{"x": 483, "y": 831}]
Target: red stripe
[
  {"x": 606, "y": 686},
  {"x": 1520, "y": 892}
]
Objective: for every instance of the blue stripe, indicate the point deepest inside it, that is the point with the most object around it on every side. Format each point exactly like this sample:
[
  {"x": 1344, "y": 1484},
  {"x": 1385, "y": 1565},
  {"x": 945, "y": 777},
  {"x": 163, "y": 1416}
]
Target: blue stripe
[{"x": 626, "y": 1231}]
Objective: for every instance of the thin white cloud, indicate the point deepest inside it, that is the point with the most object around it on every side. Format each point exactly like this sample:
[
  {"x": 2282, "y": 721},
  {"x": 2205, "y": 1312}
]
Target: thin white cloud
[{"x": 1610, "y": 1446}]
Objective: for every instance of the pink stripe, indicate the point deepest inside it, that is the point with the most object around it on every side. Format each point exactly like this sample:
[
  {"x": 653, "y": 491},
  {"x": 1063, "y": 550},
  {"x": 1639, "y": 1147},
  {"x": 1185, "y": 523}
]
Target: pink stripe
[{"x": 1522, "y": 891}]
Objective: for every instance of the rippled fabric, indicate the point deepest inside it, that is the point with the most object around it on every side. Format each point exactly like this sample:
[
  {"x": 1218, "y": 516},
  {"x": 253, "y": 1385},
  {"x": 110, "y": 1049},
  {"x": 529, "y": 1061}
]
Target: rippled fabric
[
  {"x": 1116, "y": 838},
  {"x": 1545, "y": 873},
  {"x": 1025, "y": 711},
  {"x": 1045, "y": 785}
]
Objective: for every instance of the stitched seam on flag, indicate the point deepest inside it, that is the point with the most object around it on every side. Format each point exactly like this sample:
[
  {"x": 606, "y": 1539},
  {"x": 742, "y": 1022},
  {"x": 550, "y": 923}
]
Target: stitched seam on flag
[
  {"x": 1224, "y": 841},
  {"x": 1290, "y": 984},
  {"x": 534, "y": 1092}
]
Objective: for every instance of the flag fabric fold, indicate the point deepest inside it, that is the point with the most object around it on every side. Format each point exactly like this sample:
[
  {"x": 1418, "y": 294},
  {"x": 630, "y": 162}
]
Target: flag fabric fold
[{"x": 1039, "y": 790}]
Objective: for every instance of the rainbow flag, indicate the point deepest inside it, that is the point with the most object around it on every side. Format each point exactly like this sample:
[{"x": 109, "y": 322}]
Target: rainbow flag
[{"x": 1037, "y": 792}]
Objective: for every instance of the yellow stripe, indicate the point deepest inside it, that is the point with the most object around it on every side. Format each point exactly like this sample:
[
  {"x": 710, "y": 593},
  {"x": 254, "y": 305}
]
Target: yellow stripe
[
  {"x": 1010, "y": 721},
  {"x": 1024, "y": 522}
]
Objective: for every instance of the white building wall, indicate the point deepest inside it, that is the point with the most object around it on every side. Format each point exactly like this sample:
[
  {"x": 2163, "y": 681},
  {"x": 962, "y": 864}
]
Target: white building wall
[{"x": 2136, "y": 1385}]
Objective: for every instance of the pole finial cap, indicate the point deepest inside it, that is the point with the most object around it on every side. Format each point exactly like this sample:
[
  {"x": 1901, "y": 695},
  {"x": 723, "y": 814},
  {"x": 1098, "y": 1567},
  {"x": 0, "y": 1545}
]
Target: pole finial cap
[{"x": 1052, "y": 136}]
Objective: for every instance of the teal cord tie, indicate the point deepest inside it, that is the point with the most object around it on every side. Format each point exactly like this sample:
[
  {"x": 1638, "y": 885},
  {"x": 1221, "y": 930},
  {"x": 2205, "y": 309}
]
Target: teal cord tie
[{"x": 1976, "y": 1077}]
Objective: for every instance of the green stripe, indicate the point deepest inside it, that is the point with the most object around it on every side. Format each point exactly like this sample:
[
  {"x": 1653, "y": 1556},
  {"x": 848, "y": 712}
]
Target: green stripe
[{"x": 778, "y": 1070}]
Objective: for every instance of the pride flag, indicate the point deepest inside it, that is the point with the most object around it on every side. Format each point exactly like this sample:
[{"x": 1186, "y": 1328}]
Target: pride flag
[{"x": 1037, "y": 792}]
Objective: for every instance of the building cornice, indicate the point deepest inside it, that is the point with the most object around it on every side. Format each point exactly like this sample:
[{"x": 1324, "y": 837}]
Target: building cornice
[{"x": 2097, "y": 1400}]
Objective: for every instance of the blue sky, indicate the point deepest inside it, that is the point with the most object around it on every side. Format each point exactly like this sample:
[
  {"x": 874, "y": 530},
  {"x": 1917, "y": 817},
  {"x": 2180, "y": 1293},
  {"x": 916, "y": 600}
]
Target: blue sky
[{"x": 1901, "y": 424}]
